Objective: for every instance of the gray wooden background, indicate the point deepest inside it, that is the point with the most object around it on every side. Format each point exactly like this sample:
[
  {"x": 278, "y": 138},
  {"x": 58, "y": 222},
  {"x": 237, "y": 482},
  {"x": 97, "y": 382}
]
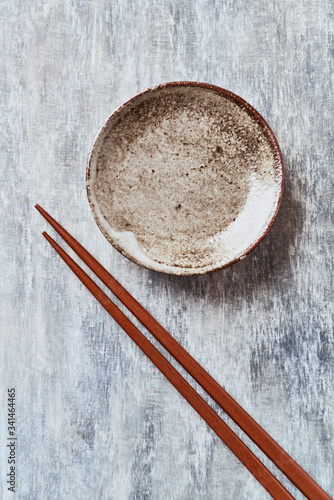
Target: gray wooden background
[{"x": 94, "y": 419}]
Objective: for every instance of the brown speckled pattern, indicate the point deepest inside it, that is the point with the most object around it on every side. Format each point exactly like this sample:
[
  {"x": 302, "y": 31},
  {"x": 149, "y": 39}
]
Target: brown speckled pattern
[{"x": 175, "y": 167}]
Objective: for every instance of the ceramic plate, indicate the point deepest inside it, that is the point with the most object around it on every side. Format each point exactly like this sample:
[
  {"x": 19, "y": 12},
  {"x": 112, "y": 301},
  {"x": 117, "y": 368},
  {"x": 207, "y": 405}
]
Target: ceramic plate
[{"x": 185, "y": 178}]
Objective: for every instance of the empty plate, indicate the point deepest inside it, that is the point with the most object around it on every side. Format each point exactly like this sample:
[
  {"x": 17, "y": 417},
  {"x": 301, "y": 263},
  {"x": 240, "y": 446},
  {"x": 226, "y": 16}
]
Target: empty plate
[{"x": 185, "y": 178}]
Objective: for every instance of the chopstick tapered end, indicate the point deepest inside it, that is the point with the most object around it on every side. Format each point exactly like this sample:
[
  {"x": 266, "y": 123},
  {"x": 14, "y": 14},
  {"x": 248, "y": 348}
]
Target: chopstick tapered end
[
  {"x": 46, "y": 215},
  {"x": 39, "y": 208},
  {"x": 52, "y": 242},
  {"x": 46, "y": 235}
]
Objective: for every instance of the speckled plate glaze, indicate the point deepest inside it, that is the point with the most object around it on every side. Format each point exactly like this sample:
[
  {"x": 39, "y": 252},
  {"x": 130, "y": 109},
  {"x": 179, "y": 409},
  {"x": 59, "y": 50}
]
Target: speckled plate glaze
[{"x": 185, "y": 178}]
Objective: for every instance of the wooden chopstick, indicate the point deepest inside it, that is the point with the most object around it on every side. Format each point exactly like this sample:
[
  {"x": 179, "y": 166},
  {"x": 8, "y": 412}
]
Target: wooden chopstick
[
  {"x": 281, "y": 459},
  {"x": 242, "y": 452}
]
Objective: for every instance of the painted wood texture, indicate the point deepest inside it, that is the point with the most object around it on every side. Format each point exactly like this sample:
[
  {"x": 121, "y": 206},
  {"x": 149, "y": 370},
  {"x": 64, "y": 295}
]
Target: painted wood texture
[{"x": 95, "y": 420}]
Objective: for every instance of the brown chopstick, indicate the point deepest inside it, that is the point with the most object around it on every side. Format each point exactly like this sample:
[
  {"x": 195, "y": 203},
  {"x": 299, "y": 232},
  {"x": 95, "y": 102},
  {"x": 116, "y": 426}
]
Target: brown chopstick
[{"x": 281, "y": 459}]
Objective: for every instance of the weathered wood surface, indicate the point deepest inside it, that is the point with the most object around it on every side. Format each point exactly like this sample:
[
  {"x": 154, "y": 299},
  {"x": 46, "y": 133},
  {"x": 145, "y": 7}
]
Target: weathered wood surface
[{"x": 94, "y": 419}]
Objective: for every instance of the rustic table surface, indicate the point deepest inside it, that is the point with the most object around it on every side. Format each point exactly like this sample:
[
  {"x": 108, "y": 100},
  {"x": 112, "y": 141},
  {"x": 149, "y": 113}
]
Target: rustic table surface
[{"x": 94, "y": 418}]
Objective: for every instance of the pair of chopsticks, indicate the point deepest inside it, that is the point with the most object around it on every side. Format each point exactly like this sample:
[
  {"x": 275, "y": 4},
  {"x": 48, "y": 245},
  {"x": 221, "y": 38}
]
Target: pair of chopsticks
[{"x": 260, "y": 437}]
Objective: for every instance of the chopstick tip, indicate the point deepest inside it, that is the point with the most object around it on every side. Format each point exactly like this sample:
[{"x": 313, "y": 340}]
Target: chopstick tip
[
  {"x": 44, "y": 213},
  {"x": 49, "y": 239}
]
